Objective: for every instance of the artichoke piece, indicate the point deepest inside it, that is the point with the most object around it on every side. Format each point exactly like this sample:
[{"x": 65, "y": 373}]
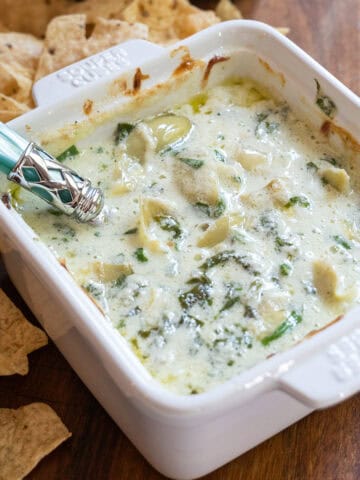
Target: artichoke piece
[
  {"x": 217, "y": 233},
  {"x": 337, "y": 178},
  {"x": 157, "y": 133},
  {"x": 326, "y": 282},
  {"x": 169, "y": 129},
  {"x": 198, "y": 186},
  {"x": 109, "y": 272},
  {"x": 151, "y": 209}
]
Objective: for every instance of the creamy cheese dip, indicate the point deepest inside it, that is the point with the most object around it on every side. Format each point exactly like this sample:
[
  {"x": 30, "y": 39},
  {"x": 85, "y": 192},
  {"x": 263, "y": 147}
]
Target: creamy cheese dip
[{"x": 232, "y": 232}]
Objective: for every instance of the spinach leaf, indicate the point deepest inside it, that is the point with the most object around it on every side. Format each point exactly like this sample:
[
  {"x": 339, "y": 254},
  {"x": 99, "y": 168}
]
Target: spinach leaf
[
  {"x": 212, "y": 211},
  {"x": 69, "y": 152},
  {"x": 140, "y": 255},
  {"x": 292, "y": 320},
  {"x": 122, "y": 131},
  {"x": 298, "y": 200},
  {"x": 192, "y": 162},
  {"x": 199, "y": 293},
  {"x": 324, "y": 102}
]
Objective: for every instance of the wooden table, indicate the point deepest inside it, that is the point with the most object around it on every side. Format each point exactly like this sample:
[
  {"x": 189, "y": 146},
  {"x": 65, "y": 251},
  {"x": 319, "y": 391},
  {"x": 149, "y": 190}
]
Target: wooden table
[{"x": 323, "y": 446}]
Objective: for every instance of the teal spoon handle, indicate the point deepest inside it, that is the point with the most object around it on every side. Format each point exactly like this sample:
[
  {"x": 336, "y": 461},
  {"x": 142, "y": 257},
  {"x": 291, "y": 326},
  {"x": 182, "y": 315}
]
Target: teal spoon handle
[
  {"x": 31, "y": 167},
  {"x": 12, "y": 145}
]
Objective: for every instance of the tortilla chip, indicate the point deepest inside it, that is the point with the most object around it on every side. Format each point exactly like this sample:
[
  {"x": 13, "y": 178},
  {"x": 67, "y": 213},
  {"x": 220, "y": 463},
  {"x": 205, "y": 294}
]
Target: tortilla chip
[
  {"x": 18, "y": 337},
  {"x": 27, "y": 434},
  {"x": 226, "y": 10},
  {"x": 9, "y": 109},
  {"x": 94, "y": 8},
  {"x": 15, "y": 82},
  {"x": 20, "y": 48},
  {"x": 167, "y": 20},
  {"x": 69, "y": 39},
  {"x": 30, "y": 16}
]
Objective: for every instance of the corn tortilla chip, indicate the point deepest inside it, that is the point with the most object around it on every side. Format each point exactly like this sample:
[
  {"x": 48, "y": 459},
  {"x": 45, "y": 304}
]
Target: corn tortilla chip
[
  {"x": 27, "y": 434},
  {"x": 20, "y": 48},
  {"x": 30, "y": 16},
  {"x": 69, "y": 39},
  {"x": 10, "y": 108},
  {"x": 18, "y": 337},
  {"x": 226, "y": 10},
  {"x": 169, "y": 20},
  {"x": 94, "y": 8},
  {"x": 15, "y": 82}
]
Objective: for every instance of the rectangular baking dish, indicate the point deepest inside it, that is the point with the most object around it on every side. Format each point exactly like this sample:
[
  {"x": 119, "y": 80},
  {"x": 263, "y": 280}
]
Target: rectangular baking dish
[{"x": 183, "y": 437}]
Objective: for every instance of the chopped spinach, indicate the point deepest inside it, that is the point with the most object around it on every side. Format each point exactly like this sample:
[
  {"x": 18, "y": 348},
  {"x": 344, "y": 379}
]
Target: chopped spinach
[
  {"x": 249, "y": 312},
  {"x": 263, "y": 125},
  {"x": 122, "y": 131},
  {"x": 268, "y": 222},
  {"x": 232, "y": 296},
  {"x": 192, "y": 162},
  {"x": 120, "y": 281},
  {"x": 140, "y": 255},
  {"x": 342, "y": 242},
  {"x": 169, "y": 224},
  {"x": 300, "y": 200},
  {"x": 212, "y": 211},
  {"x": 200, "y": 293},
  {"x": 69, "y": 152},
  {"x": 285, "y": 269},
  {"x": 222, "y": 258},
  {"x": 292, "y": 320},
  {"x": 324, "y": 102},
  {"x": 282, "y": 242}
]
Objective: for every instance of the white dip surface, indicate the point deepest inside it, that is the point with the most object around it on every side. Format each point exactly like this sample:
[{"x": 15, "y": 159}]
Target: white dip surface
[{"x": 228, "y": 247}]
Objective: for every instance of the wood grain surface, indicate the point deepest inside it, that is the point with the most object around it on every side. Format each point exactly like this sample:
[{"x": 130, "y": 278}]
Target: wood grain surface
[{"x": 323, "y": 446}]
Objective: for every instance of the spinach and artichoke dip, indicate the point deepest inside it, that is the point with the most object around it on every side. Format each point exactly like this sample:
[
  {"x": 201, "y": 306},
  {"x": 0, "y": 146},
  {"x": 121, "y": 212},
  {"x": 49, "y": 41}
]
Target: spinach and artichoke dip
[{"x": 233, "y": 230}]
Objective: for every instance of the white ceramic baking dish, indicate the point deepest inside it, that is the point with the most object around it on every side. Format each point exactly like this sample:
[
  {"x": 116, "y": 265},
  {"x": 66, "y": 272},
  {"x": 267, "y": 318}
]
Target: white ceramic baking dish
[{"x": 184, "y": 436}]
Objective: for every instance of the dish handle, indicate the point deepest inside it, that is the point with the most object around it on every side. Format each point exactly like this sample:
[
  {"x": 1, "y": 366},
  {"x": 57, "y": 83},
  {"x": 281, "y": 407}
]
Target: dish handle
[
  {"x": 62, "y": 83},
  {"x": 331, "y": 372}
]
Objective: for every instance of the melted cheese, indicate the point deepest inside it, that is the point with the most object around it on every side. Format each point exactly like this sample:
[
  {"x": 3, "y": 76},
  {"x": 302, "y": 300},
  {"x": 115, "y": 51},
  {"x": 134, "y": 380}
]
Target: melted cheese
[{"x": 227, "y": 247}]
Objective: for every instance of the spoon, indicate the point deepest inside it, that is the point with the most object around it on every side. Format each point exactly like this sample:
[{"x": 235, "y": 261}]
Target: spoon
[{"x": 28, "y": 165}]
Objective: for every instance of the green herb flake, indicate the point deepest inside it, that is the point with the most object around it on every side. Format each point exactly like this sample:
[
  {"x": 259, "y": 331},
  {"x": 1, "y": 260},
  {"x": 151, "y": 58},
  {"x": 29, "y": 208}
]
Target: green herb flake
[
  {"x": 300, "y": 200},
  {"x": 70, "y": 152},
  {"x": 342, "y": 242},
  {"x": 192, "y": 162},
  {"x": 331, "y": 160},
  {"x": 219, "y": 156},
  {"x": 120, "y": 281},
  {"x": 263, "y": 125},
  {"x": 324, "y": 102},
  {"x": 292, "y": 320},
  {"x": 312, "y": 166},
  {"x": 285, "y": 269},
  {"x": 122, "y": 131},
  {"x": 132, "y": 231},
  {"x": 169, "y": 224},
  {"x": 282, "y": 242},
  {"x": 140, "y": 255}
]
